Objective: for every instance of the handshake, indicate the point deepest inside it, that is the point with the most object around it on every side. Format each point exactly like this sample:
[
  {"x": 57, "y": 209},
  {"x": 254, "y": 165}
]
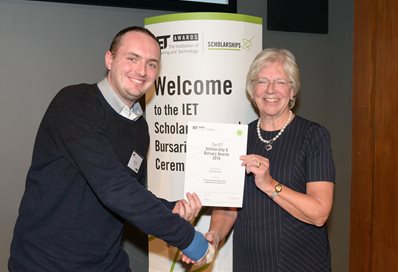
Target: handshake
[
  {"x": 203, "y": 247},
  {"x": 201, "y": 251}
]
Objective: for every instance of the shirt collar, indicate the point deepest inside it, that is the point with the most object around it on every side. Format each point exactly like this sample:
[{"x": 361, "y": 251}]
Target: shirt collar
[{"x": 117, "y": 104}]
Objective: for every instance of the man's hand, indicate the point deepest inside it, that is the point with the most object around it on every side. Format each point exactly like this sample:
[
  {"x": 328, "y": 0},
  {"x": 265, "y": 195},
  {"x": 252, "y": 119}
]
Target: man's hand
[
  {"x": 190, "y": 209},
  {"x": 214, "y": 240}
]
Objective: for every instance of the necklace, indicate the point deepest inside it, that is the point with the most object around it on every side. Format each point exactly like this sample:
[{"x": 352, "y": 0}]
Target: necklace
[{"x": 268, "y": 143}]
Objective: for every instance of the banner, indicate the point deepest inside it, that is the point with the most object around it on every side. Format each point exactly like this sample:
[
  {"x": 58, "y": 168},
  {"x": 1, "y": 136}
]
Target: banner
[{"x": 205, "y": 59}]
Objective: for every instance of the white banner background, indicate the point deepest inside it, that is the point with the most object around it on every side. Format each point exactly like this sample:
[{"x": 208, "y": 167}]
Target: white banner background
[{"x": 205, "y": 58}]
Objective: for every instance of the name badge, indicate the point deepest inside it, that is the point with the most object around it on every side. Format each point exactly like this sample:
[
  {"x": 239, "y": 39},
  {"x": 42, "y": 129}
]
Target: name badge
[{"x": 135, "y": 162}]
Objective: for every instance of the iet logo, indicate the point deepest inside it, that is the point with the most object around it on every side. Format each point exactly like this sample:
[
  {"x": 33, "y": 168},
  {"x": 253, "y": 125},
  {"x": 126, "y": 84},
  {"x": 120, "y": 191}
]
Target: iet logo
[{"x": 162, "y": 40}]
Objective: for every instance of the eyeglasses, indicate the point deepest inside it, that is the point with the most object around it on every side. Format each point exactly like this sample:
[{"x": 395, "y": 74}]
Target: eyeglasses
[{"x": 278, "y": 83}]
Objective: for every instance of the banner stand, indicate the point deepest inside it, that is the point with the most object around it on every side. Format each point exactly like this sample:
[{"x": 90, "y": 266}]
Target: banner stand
[{"x": 205, "y": 59}]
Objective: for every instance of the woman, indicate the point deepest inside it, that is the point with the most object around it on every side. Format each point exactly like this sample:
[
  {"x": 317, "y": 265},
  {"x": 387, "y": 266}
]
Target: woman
[{"x": 290, "y": 177}]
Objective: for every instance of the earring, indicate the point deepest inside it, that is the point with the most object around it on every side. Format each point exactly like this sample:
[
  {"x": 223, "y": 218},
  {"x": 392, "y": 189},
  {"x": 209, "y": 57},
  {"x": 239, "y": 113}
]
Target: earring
[{"x": 292, "y": 102}]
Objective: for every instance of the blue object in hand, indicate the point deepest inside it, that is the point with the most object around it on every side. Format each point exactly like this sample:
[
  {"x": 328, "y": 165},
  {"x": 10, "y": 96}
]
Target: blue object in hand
[{"x": 198, "y": 247}]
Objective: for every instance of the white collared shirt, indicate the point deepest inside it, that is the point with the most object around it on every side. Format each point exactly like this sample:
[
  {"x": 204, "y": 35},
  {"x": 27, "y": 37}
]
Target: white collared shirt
[{"x": 117, "y": 104}]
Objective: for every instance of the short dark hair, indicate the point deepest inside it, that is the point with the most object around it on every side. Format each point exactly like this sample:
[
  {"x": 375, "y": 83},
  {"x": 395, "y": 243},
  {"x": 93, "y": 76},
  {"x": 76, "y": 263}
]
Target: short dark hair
[{"x": 116, "y": 40}]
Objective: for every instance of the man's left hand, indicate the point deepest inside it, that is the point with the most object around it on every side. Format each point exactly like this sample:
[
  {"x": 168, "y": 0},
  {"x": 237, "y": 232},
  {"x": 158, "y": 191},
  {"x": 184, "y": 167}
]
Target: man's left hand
[{"x": 188, "y": 209}]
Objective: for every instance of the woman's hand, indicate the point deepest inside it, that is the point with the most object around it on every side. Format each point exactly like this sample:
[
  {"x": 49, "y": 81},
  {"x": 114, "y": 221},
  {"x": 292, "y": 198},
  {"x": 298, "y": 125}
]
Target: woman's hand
[{"x": 259, "y": 167}]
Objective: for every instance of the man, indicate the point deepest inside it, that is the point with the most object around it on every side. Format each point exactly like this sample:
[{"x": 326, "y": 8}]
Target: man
[{"x": 88, "y": 170}]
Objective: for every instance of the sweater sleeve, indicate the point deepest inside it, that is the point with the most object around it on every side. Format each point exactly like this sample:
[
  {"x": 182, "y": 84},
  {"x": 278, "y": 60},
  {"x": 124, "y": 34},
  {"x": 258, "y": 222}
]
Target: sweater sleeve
[
  {"x": 169, "y": 204},
  {"x": 75, "y": 124}
]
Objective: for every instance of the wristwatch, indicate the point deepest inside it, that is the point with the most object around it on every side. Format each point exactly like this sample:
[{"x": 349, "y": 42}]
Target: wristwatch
[{"x": 278, "y": 189}]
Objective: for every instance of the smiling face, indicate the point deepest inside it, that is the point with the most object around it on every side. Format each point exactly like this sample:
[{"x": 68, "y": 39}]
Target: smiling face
[
  {"x": 134, "y": 66},
  {"x": 272, "y": 91}
]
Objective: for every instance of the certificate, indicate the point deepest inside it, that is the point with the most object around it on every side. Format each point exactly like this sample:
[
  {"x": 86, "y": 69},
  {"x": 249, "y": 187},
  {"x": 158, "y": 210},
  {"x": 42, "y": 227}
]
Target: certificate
[{"x": 212, "y": 168}]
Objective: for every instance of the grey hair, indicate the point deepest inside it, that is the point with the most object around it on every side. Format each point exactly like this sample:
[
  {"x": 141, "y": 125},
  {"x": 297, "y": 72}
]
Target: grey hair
[{"x": 269, "y": 56}]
